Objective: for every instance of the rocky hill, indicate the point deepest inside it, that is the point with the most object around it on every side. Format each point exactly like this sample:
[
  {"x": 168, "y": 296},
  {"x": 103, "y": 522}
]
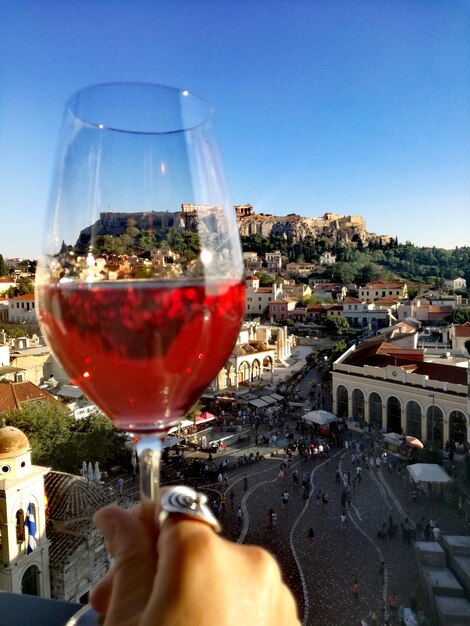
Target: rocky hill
[{"x": 346, "y": 228}]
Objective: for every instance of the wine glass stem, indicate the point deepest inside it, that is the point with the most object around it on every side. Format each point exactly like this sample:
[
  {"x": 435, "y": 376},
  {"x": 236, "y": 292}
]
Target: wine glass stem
[{"x": 149, "y": 449}]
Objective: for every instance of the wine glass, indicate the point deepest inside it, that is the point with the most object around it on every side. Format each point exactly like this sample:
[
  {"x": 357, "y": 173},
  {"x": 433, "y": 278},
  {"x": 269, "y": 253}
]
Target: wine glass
[{"x": 140, "y": 290}]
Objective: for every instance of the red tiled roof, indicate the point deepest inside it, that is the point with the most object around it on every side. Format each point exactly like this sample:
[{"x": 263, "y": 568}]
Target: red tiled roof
[
  {"x": 12, "y": 395},
  {"x": 349, "y": 300},
  {"x": 462, "y": 330},
  {"x": 26, "y": 296},
  {"x": 382, "y": 354}
]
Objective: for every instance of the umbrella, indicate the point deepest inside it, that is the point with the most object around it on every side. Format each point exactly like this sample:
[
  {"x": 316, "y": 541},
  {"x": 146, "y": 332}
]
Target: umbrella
[
  {"x": 414, "y": 442},
  {"x": 90, "y": 471},
  {"x": 97, "y": 473},
  {"x": 84, "y": 470}
]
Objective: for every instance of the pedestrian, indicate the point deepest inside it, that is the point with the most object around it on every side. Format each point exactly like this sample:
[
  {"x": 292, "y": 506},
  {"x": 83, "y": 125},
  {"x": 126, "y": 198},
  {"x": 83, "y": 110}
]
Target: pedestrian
[
  {"x": 232, "y": 498},
  {"x": 245, "y": 482},
  {"x": 373, "y": 617},
  {"x": 295, "y": 477},
  {"x": 285, "y": 500},
  {"x": 270, "y": 518},
  {"x": 393, "y": 603},
  {"x": 344, "y": 521},
  {"x": 355, "y": 590},
  {"x": 318, "y": 498},
  {"x": 311, "y": 535},
  {"x": 220, "y": 477},
  {"x": 337, "y": 475},
  {"x": 239, "y": 514},
  {"x": 325, "y": 499},
  {"x": 120, "y": 484},
  {"x": 223, "y": 501},
  {"x": 427, "y": 532},
  {"x": 378, "y": 462},
  {"x": 274, "y": 519},
  {"x": 358, "y": 473},
  {"x": 436, "y": 531}
]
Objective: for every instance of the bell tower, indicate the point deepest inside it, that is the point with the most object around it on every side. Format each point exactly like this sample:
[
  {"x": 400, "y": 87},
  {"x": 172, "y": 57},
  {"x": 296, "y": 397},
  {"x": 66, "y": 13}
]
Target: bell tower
[{"x": 24, "y": 548}]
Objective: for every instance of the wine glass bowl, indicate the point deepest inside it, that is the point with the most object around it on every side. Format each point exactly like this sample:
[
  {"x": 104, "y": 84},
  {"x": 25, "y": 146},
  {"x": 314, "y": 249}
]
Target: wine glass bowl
[{"x": 140, "y": 291}]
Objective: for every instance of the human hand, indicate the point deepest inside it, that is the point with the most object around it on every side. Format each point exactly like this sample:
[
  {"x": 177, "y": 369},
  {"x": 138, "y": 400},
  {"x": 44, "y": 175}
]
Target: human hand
[{"x": 185, "y": 574}]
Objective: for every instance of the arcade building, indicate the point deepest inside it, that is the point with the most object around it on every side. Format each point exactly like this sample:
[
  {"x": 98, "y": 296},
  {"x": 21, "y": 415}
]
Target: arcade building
[{"x": 398, "y": 390}]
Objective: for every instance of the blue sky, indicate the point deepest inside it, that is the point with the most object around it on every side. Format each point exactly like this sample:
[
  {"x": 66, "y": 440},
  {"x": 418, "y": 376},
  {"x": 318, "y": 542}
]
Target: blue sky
[{"x": 357, "y": 107}]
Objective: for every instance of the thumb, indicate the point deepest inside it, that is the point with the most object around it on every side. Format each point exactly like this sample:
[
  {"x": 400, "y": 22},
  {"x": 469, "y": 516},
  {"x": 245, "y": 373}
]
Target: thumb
[{"x": 132, "y": 547}]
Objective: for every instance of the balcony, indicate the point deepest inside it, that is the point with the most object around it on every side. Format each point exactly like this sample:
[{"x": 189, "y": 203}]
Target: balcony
[{"x": 19, "y": 610}]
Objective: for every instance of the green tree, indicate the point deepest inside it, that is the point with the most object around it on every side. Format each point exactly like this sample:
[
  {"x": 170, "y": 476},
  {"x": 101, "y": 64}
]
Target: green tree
[
  {"x": 24, "y": 285},
  {"x": 3, "y": 267},
  {"x": 336, "y": 324},
  {"x": 46, "y": 424},
  {"x": 460, "y": 315}
]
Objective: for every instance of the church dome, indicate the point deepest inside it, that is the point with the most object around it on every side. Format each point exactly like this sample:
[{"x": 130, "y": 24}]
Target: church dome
[{"x": 13, "y": 442}]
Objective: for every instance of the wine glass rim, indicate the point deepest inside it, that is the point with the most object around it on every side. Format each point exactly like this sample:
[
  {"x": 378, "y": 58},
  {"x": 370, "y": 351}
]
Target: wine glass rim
[{"x": 70, "y": 108}]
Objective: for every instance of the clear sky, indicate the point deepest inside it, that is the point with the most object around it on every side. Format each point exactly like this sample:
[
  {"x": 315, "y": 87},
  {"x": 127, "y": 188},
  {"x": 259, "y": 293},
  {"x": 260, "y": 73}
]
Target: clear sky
[{"x": 357, "y": 107}]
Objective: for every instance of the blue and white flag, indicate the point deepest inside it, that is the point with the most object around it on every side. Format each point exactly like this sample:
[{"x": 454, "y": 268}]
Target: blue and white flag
[{"x": 30, "y": 524}]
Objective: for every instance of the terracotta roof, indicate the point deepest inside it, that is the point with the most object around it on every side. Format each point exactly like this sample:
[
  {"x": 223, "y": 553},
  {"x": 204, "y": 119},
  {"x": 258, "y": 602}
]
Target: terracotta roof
[
  {"x": 62, "y": 546},
  {"x": 462, "y": 330},
  {"x": 73, "y": 497},
  {"x": 7, "y": 280},
  {"x": 350, "y": 300},
  {"x": 379, "y": 284},
  {"x": 12, "y": 395},
  {"x": 26, "y": 296},
  {"x": 381, "y": 354}
]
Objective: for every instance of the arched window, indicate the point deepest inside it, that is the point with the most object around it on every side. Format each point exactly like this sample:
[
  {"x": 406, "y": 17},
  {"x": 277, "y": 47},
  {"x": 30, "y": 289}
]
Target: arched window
[
  {"x": 358, "y": 404},
  {"x": 30, "y": 581},
  {"x": 342, "y": 401},
  {"x": 394, "y": 415},
  {"x": 457, "y": 427},
  {"x": 375, "y": 409},
  {"x": 435, "y": 425},
  {"x": 255, "y": 370},
  {"x": 244, "y": 372},
  {"x": 413, "y": 419},
  {"x": 19, "y": 526}
]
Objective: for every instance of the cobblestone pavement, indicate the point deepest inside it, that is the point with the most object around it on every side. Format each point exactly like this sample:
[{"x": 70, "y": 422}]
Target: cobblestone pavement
[{"x": 321, "y": 573}]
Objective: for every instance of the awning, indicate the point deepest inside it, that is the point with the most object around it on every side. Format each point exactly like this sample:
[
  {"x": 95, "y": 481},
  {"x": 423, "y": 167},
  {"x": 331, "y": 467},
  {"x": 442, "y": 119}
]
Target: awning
[
  {"x": 277, "y": 396},
  {"x": 269, "y": 399},
  {"x": 258, "y": 403},
  {"x": 204, "y": 417},
  {"x": 169, "y": 442},
  {"x": 322, "y": 418},
  {"x": 428, "y": 473}
]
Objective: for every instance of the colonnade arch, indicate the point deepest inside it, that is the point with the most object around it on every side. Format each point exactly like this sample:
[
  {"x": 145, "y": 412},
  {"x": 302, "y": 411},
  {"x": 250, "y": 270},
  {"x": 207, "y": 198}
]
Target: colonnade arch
[
  {"x": 358, "y": 404},
  {"x": 457, "y": 427},
  {"x": 414, "y": 414},
  {"x": 375, "y": 409},
  {"x": 394, "y": 415},
  {"x": 435, "y": 425},
  {"x": 342, "y": 405}
]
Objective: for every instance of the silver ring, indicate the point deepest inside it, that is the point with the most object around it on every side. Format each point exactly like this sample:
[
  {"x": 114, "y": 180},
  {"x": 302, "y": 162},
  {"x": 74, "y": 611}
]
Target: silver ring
[{"x": 188, "y": 502}]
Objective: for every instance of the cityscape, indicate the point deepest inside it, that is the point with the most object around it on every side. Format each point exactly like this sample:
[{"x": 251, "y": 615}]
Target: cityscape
[
  {"x": 336, "y": 435},
  {"x": 315, "y": 380}
]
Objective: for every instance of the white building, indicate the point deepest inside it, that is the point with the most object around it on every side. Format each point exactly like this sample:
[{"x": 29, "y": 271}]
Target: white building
[
  {"x": 24, "y": 547},
  {"x": 456, "y": 283},
  {"x": 22, "y": 309},
  {"x": 398, "y": 390}
]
